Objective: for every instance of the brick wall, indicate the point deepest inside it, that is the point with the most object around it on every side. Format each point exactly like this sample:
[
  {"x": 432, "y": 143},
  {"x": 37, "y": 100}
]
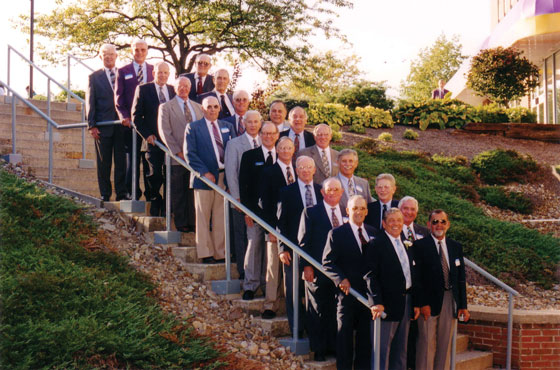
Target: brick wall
[{"x": 535, "y": 339}]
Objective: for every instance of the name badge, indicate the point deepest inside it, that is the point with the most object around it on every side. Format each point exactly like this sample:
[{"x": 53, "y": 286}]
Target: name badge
[
  {"x": 344, "y": 220},
  {"x": 359, "y": 188},
  {"x": 128, "y": 77},
  {"x": 259, "y": 163},
  {"x": 224, "y": 130},
  {"x": 457, "y": 262}
]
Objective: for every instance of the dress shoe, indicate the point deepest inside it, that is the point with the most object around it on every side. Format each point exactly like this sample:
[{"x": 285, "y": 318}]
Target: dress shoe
[
  {"x": 123, "y": 197},
  {"x": 208, "y": 260},
  {"x": 319, "y": 357},
  {"x": 248, "y": 295},
  {"x": 221, "y": 260},
  {"x": 106, "y": 198},
  {"x": 185, "y": 229},
  {"x": 268, "y": 314}
]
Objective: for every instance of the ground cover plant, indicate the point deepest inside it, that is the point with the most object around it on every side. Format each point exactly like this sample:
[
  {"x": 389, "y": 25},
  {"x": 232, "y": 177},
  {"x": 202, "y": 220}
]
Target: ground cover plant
[
  {"x": 507, "y": 250},
  {"x": 500, "y": 166},
  {"x": 64, "y": 306}
]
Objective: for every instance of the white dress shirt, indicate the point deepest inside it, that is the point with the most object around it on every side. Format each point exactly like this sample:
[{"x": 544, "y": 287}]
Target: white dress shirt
[
  {"x": 144, "y": 71},
  {"x": 108, "y": 74},
  {"x": 213, "y": 140},
  {"x": 272, "y": 152},
  {"x": 337, "y": 212},
  {"x": 400, "y": 250},
  {"x": 284, "y": 166},
  {"x": 181, "y": 104},
  {"x": 250, "y": 140},
  {"x": 164, "y": 90},
  {"x": 364, "y": 233},
  {"x": 303, "y": 189},
  {"x": 444, "y": 245},
  {"x": 229, "y": 104},
  {"x": 292, "y": 135}
]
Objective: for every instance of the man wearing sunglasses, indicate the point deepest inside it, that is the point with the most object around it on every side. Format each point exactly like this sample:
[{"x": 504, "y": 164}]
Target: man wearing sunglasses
[
  {"x": 443, "y": 292},
  {"x": 201, "y": 81}
]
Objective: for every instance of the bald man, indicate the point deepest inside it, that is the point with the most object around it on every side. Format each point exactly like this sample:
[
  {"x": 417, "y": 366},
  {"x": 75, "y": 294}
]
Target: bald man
[{"x": 221, "y": 82}]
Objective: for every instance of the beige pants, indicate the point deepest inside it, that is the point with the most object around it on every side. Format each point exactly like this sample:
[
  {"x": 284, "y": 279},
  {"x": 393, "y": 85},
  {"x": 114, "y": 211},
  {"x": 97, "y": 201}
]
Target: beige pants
[
  {"x": 209, "y": 204},
  {"x": 273, "y": 278}
]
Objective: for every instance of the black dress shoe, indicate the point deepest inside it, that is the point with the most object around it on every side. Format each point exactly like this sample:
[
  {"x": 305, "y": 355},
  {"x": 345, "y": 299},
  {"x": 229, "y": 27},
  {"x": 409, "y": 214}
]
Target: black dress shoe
[
  {"x": 268, "y": 314},
  {"x": 221, "y": 260},
  {"x": 185, "y": 229},
  {"x": 248, "y": 295},
  {"x": 319, "y": 357},
  {"x": 208, "y": 260},
  {"x": 123, "y": 197},
  {"x": 106, "y": 198}
]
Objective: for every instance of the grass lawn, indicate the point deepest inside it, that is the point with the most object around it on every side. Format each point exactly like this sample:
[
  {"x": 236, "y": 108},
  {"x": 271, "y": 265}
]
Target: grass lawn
[{"x": 66, "y": 307}]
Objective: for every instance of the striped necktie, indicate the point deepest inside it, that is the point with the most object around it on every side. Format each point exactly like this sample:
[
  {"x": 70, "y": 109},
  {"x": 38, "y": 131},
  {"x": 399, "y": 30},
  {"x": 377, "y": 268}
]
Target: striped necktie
[{"x": 140, "y": 75}]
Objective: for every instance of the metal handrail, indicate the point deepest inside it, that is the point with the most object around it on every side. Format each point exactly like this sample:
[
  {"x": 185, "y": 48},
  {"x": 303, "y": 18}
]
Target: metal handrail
[{"x": 68, "y": 65}]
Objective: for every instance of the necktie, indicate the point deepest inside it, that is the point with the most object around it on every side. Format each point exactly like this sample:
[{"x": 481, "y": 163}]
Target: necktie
[
  {"x": 289, "y": 175},
  {"x": 112, "y": 78},
  {"x": 410, "y": 235},
  {"x": 140, "y": 75},
  {"x": 335, "y": 222},
  {"x": 199, "y": 86},
  {"x": 444, "y": 267},
  {"x": 255, "y": 144},
  {"x": 161, "y": 95},
  {"x": 351, "y": 191},
  {"x": 225, "y": 108},
  {"x": 269, "y": 160},
  {"x": 241, "y": 126},
  {"x": 188, "y": 115},
  {"x": 363, "y": 240},
  {"x": 219, "y": 143},
  {"x": 403, "y": 259},
  {"x": 308, "y": 196},
  {"x": 296, "y": 142},
  {"x": 325, "y": 160}
]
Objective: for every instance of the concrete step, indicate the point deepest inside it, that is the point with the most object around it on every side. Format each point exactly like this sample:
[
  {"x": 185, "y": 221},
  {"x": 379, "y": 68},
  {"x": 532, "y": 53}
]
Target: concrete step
[
  {"x": 184, "y": 253},
  {"x": 30, "y": 117},
  {"x": 473, "y": 360},
  {"x": 42, "y": 104},
  {"x": 206, "y": 272},
  {"x": 276, "y": 327},
  {"x": 329, "y": 364},
  {"x": 462, "y": 343},
  {"x": 37, "y": 144}
]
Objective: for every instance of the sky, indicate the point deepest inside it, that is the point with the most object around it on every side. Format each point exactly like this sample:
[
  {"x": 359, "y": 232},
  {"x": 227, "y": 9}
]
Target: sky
[{"x": 386, "y": 35}]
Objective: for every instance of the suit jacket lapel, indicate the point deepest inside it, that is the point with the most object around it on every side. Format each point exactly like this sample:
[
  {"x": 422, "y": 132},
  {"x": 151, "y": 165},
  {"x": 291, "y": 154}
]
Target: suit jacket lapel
[{"x": 179, "y": 115}]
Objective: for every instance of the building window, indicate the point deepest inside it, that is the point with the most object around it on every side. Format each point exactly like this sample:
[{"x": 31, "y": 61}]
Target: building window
[
  {"x": 557, "y": 79},
  {"x": 549, "y": 90}
]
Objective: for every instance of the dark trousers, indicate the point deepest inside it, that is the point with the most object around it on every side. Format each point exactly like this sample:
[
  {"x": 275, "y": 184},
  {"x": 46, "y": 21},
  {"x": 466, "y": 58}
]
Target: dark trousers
[
  {"x": 238, "y": 238},
  {"x": 140, "y": 158},
  {"x": 289, "y": 291},
  {"x": 182, "y": 197},
  {"x": 320, "y": 314},
  {"x": 352, "y": 315},
  {"x": 107, "y": 149},
  {"x": 155, "y": 176}
]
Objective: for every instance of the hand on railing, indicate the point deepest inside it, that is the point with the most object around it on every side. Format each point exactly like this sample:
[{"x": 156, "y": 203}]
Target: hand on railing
[
  {"x": 426, "y": 311},
  {"x": 151, "y": 139},
  {"x": 377, "y": 311},
  {"x": 94, "y": 131},
  {"x": 126, "y": 122},
  {"x": 210, "y": 177},
  {"x": 464, "y": 315},
  {"x": 285, "y": 258},
  {"x": 345, "y": 286},
  {"x": 249, "y": 221}
]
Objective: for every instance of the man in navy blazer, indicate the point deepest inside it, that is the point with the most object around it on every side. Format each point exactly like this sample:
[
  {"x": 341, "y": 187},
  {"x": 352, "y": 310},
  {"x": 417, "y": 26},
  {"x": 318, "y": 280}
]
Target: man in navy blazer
[
  {"x": 320, "y": 292},
  {"x": 109, "y": 140},
  {"x": 241, "y": 102},
  {"x": 221, "y": 82},
  {"x": 201, "y": 81},
  {"x": 145, "y": 106},
  {"x": 392, "y": 289},
  {"x": 443, "y": 292},
  {"x": 204, "y": 150},
  {"x": 345, "y": 265},
  {"x": 128, "y": 78},
  {"x": 293, "y": 199},
  {"x": 301, "y": 138},
  {"x": 385, "y": 187}
]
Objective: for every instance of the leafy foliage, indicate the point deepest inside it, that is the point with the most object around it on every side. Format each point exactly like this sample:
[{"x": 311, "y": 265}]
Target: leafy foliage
[
  {"x": 502, "y": 74},
  {"x": 410, "y": 134},
  {"x": 498, "y": 197},
  {"x": 437, "y": 62},
  {"x": 339, "y": 115},
  {"x": 363, "y": 94},
  {"x": 521, "y": 115},
  {"x": 500, "y": 166},
  {"x": 385, "y": 136},
  {"x": 64, "y": 306}
]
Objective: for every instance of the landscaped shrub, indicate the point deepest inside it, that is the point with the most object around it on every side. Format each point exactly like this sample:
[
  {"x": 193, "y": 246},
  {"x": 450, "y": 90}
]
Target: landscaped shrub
[
  {"x": 410, "y": 134},
  {"x": 385, "y": 136},
  {"x": 500, "y": 166},
  {"x": 439, "y": 112},
  {"x": 359, "y": 129},
  {"x": 369, "y": 146},
  {"x": 491, "y": 113},
  {"x": 521, "y": 115},
  {"x": 371, "y": 117},
  {"x": 498, "y": 197},
  {"x": 329, "y": 113}
]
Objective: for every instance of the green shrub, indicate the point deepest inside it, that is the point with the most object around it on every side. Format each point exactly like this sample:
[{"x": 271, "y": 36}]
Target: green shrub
[
  {"x": 385, "y": 136},
  {"x": 364, "y": 94},
  {"x": 521, "y": 115},
  {"x": 359, "y": 129},
  {"x": 491, "y": 113},
  {"x": 438, "y": 112},
  {"x": 459, "y": 160},
  {"x": 328, "y": 113},
  {"x": 371, "y": 117},
  {"x": 498, "y": 197},
  {"x": 369, "y": 146},
  {"x": 500, "y": 166},
  {"x": 410, "y": 134}
]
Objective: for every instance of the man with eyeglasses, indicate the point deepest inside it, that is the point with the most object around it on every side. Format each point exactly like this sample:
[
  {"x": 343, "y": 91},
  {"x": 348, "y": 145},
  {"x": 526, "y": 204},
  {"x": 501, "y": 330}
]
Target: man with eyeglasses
[
  {"x": 201, "y": 81},
  {"x": 324, "y": 156},
  {"x": 221, "y": 81},
  {"x": 345, "y": 265},
  {"x": 385, "y": 188},
  {"x": 441, "y": 270},
  {"x": 351, "y": 184},
  {"x": 293, "y": 199}
]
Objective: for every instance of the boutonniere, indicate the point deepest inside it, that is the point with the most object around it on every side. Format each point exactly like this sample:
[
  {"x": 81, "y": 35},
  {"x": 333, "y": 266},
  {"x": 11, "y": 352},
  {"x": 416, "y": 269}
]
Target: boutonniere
[{"x": 407, "y": 244}]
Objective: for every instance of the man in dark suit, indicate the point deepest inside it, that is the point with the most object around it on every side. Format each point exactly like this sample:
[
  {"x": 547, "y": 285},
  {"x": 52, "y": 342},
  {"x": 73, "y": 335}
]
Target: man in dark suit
[
  {"x": 441, "y": 271},
  {"x": 293, "y": 199},
  {"x": 204, "y": 150},
  {"x": 241, "y": 102},
  {"x": 301, "y": 138},
  {"x": 253, "y": 163},
  {"x": 344, "y": 262},
  {"x": 274, "y": 178},
  {"x": 173, "y": 118},
  {"x": 277, "y": 114},
  {"x": 325, "y": 158},
  {"x": 221, "y": 81},
  {"x": 201, "y": 81},
  {"x": 109, "y": 140},
  {"x": 351, "y": 184},
  {"x": 145, "y": 106},
  {"x": 440, "y": 92},
  {"x": 128, "y": 78},
  {"x": 392, "y": 289},
  {"x": 320, "y": 292},
  {"x": 385, "y": 187}
]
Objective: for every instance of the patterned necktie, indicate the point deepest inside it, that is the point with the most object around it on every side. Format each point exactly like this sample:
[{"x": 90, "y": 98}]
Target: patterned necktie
[
  {"x": 335, "y": 222},
  {"x": 188, "y": 115},
  {"x": 241, "y": 126},
  {"x": 351, "y": 191},
  {"x": 225, "y": 108},
  {"x": 218, "y": 139},
  {"x": 410, "y": 235},
  {"x": 325, "y": 160},
  {"x": 403, "y": 259},
  {"x": 363, "y": 240},
  {"x": 112, "y": 78},
  {"x": 296, "y": 142},
  {"x": 140, "y": 75},
  {"x": 289, "y": 175},
  {"x": 269, "y": 160},
  {"x": 444, "y": 266},
  {"x": 161, "y": 95},
  {"x": 308, "y": 196},
  {"x": 199, "y": 86},
  {"x": 255, "y": 144}
]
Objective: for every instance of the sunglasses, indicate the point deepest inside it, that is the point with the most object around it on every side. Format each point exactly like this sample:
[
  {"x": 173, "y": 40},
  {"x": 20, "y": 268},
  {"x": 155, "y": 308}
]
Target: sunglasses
[
  {"x": 203, "y": 63},
  {"x": 435, "y": 222}
]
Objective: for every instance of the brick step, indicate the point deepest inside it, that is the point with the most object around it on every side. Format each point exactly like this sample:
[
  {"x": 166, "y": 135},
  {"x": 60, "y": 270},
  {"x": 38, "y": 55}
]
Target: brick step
[
  {"x": 473, "y": 360},
  {"x": 40, "y": 131},
  {"x": 37, "y": 141},
  {"x": 28, "y": 115},
  {"x": 276, "y": 327}
]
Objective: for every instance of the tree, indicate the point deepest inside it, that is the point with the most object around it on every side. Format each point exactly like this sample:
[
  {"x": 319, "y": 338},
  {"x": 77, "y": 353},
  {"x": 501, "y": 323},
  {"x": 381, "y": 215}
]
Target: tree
[
  {"x": 366, "y": 93},
  {"x": 438, "y": 62},
  {"x": 266, "y": 32},
  {"x": 502, "y": 74}
]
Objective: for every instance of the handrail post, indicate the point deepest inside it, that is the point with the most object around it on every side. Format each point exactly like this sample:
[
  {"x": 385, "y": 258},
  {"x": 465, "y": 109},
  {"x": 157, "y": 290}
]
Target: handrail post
[
  {"x": 133, "y": 205},
  {"x": 13, "y": 157},
  {"x": 453, "y": 346},
  {"x": 134, "y": 159},
  {"x": 510, "y": 331},
  {"x": 68, "y": 83},
  {"x": 48, "y": 97},
  {"x": 51, "y": 154},
  {"x": 376, "y": 343},
  {"x": 167, "y": 236},
  {"x": 9, "y": 62}
]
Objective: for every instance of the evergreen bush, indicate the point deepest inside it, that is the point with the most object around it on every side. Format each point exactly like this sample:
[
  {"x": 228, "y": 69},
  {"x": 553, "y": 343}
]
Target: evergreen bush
[
  {"x": 500, "y": 166},
  {"x": 410, "y": 134},
  {"x": 498, "y": 197}
]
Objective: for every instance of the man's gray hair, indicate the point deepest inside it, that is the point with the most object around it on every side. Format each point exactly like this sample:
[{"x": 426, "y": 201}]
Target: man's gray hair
[
  {"x": 178, "y": 79},
  {"x": 252, "y": 113},
  {"x": 239, "y": 92},
  {"x": 284, "y": 138},
  {"x": 304, "y": 158},
  {"x": 384, "y": 176},
  {"x": 137, "y": 41},
  {"x": 406, "y": 199},
  {"x": 320, "y": 125},
  {"x": 328, "y": 180},
  {"x": 294, "y": 109},
  {"x": 391, "y": 211},
  {"x": 354, "y": 198},
  {"x": 107, "y": 46},
  {"x": 347, "y": 151}
]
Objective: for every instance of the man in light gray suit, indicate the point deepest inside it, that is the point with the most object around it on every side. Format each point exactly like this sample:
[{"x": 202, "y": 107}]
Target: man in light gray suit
[
  {"x": 234, "y": 151},
  {"x": 325, "y": 158},
  {"x": 352, "y": 185},
  {"x": 173, "y": 118}
]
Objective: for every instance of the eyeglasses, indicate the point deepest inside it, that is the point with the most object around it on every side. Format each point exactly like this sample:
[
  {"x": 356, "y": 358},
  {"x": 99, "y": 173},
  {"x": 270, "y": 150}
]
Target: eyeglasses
[
  {"x": 268, "y": 133},
  {"x": 201, "y": 63},
  {"x": 309, "y": 168},
  {"x": 359, "y": 208},
  {"x": 435, "y": 222}
]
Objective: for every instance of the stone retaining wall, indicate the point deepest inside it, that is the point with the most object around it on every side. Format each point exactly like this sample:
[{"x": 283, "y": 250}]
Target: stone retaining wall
[{"x": 535, "y": 340}]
